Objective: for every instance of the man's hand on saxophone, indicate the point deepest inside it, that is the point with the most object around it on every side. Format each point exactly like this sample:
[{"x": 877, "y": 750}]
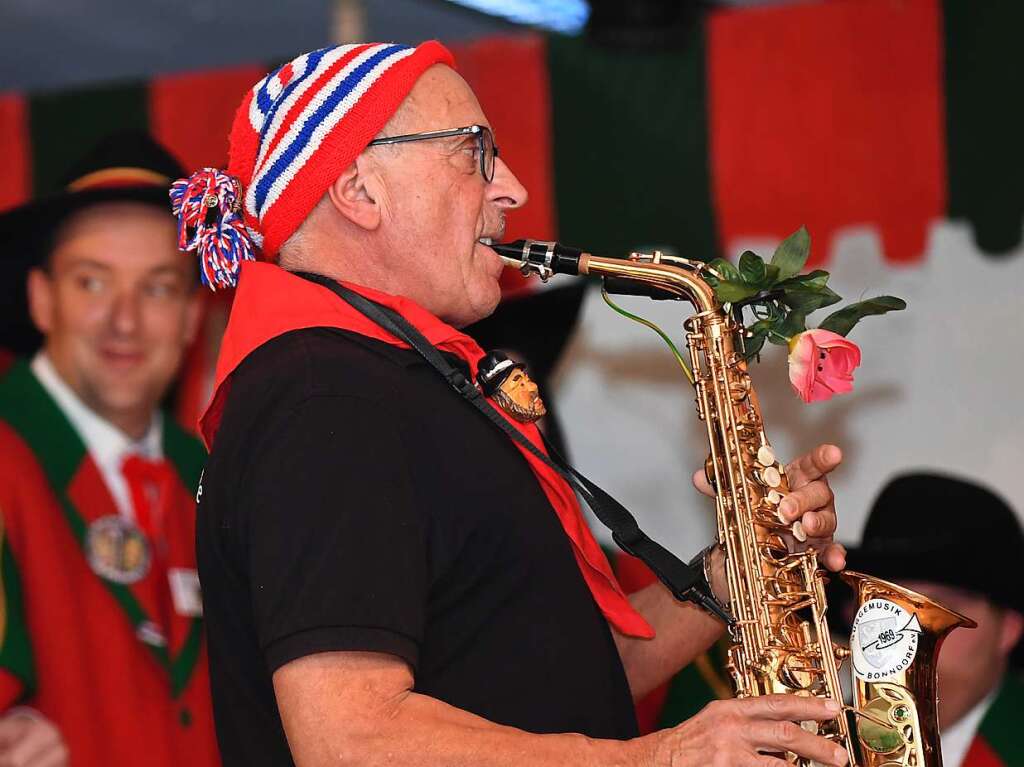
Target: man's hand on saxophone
[
  {"x": 744, "y": 732},
  {"x": 809, "y": 502}
]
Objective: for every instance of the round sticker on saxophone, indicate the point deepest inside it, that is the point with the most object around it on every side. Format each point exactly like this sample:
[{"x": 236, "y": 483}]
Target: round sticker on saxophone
[{"x": 883, "y": 641}]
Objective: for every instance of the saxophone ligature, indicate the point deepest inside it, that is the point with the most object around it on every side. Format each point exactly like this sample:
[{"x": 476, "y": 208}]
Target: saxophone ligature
[{"x": 779, "y": 635}]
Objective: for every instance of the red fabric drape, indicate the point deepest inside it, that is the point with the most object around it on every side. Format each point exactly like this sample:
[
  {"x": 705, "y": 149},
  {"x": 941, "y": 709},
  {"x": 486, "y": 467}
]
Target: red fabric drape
[
  {"x": 15, "y": 171},
  {"x": 191, "y": 113},
  {"x": 829, "y": 115}
]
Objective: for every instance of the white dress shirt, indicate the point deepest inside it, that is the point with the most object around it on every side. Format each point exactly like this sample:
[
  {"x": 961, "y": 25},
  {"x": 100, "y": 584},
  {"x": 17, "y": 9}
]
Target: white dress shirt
[
  {"x": 956, "y": 740},
  {"x": 107, "y": 444}
]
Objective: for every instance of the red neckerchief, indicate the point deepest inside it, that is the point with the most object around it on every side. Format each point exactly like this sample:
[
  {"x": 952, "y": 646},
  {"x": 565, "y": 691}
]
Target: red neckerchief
[{"x": 270, "y": 301}]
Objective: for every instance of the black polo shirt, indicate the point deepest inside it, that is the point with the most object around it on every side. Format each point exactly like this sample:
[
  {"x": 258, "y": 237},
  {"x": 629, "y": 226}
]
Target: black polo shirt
[{"x": 353, "y": 501}]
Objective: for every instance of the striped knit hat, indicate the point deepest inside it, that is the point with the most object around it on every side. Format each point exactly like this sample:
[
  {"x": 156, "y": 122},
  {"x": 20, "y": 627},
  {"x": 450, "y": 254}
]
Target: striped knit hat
[{"x": 295, "y": 132}]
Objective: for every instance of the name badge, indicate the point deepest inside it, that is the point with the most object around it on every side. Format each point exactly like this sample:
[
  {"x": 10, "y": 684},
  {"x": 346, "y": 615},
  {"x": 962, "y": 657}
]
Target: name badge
[{"x": 185, "y": 591}]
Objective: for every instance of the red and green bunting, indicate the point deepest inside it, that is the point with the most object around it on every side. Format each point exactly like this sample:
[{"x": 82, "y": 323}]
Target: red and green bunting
[{"x": 842, "y": 114}]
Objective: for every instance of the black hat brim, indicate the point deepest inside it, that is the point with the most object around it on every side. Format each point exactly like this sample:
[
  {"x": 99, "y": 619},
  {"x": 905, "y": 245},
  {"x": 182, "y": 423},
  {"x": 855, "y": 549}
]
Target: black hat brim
[{"x": 42, "y": 216}]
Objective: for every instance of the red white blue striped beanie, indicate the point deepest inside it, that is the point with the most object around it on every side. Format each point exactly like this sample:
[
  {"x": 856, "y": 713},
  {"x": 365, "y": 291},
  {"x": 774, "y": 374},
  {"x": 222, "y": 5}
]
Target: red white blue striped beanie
[
  {"x": 300, "y": 126},
  {"x": 295, "y": 132}
]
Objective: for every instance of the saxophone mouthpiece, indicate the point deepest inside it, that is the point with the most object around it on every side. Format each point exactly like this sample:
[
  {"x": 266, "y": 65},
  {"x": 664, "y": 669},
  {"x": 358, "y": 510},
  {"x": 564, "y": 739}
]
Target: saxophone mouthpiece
[{"x": 540, "y": 257}]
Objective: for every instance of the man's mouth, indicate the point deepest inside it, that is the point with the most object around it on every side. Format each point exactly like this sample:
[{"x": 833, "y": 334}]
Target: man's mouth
[
  {"x": 121, "y": 358},
  {"x": 488, "y": 241}
]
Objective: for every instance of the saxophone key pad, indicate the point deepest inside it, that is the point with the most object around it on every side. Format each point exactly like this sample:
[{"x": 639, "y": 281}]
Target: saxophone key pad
[
  {"x": 771, "y": 476},
  {"x": 765, "y": 455}
]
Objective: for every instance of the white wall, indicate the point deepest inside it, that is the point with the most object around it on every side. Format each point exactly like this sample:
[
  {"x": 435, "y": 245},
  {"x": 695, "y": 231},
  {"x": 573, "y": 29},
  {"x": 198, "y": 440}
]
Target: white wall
[{"x": 939, "y": 386}]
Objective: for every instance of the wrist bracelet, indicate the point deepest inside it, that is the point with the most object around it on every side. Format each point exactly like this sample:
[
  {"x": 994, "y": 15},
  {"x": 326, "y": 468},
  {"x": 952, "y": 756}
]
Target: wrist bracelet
[{"x": 703, "y": 560}]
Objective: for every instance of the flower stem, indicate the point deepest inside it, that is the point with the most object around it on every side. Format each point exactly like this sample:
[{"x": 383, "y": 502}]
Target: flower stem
[{"x": 647, "y": 323}]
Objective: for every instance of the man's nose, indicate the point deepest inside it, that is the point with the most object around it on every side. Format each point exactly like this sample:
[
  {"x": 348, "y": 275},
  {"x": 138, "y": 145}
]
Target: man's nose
[
  {"x": 126, "y": 313},
  {"x": 505, "y": 189}
]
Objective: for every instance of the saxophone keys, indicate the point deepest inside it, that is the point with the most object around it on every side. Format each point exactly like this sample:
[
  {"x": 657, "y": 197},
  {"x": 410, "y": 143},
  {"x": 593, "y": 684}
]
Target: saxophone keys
[
  {"x": 770, "y": 476},
  {"x": 739, "y": 390},
  {"x": 765, "y": 455},
  {"x": 809, "y": 726},
  {"x": 709, "y": 472},
  {"x": 772, "y": 499},
  {"x": 798, "y": 531}
]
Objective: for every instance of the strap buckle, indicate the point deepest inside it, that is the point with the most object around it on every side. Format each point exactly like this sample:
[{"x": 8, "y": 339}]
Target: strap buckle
[
  {"x": 462, "y": 384},
  {"x": 628, "y": 535}
]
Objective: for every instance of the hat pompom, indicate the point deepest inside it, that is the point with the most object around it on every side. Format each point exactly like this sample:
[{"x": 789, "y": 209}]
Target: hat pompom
[{"x": 208, "y": 205}]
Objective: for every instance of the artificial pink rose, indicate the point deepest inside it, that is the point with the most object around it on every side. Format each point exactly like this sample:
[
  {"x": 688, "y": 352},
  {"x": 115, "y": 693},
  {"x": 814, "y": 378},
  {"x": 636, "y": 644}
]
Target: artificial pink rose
[{"x": 821, "y": 364}]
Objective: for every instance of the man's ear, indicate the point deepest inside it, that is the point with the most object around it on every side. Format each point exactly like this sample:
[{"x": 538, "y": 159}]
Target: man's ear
[
  {"x": 1013, "y": 627},
  {"x": 40, "y": 300},
  {"x": 354, "y": 194}
]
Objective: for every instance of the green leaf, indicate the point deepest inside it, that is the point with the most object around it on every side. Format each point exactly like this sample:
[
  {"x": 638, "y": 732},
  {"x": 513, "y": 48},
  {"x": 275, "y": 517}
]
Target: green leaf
[
  {"x": 729, "y": 291},
  {"x": 726, "y": 269},
  {"x": 795, "y": 322},
  {"x": 816, "y": 279},
  {"x": 792, "y": 254},
  {"x": 842, "y": 321},
  {"x": 752, "y": 269},
  {"x": 771, "y": 275},
  {"x": 806, "y": 301},
  {"x": 752, "y": 346}
]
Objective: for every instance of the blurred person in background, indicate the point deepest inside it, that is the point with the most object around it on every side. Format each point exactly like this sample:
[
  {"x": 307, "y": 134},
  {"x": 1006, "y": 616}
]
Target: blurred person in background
[{"x": 102, "y": 656}]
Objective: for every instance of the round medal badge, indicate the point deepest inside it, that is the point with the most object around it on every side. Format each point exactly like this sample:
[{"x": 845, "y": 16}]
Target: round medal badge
[
  {"x": 883, "y": 640},
  {"x": 117, "y": 550}
]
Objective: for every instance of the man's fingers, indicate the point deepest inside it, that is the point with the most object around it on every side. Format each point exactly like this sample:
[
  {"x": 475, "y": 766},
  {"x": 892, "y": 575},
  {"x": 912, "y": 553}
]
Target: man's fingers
[
  {"x": 813, "y": 465},
  {"x": 12, "y": 730},
  {"x": 33, "y": 742},
  {"x": 56, "y": 756},
  {"x": 764, "y": 760},
  {"x": 833, "y": 557},
  {"x": 787, "y": 736},
  {"x": 794, "y": 708},
  {"x": 700, "y": 481},
  {"x": 27, "y": 750},
  {"x": 814, "y": 496}
]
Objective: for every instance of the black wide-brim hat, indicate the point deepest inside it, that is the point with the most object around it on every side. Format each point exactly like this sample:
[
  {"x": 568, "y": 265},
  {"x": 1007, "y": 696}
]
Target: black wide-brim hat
[
  {"x": 123, "y": 167},
  {"x": 941, "y": 529}
]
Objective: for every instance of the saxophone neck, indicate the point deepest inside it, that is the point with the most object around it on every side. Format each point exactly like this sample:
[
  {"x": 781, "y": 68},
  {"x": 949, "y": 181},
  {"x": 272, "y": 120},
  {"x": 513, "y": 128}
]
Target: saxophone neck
[
  {"x": 661, "y": 275},
  {"x": 680, "y": 277}
]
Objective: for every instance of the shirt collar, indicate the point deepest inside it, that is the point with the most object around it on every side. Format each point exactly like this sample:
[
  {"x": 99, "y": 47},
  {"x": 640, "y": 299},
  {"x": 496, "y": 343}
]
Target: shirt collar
[
  {"x": 957, "y": 739},
  {"x": 107, "y": 444}
]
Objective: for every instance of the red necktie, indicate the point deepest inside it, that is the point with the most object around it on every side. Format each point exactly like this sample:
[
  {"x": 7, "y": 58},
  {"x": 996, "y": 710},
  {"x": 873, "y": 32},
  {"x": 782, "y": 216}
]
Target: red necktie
[{"x": 150, "y": 484}]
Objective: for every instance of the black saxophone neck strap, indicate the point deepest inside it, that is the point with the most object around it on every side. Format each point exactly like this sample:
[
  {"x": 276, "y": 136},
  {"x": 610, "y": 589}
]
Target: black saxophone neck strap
[{"x": 686, "y": 582}]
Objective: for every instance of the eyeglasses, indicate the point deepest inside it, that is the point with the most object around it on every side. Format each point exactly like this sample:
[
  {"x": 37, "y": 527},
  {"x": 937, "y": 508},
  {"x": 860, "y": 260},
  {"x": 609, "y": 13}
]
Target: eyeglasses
[{"x": 487, "y": 150}]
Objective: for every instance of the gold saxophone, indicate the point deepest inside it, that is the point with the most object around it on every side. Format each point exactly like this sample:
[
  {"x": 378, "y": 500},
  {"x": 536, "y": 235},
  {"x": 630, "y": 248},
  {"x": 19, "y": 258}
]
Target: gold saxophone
[{"x": 780, "y": 641}]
